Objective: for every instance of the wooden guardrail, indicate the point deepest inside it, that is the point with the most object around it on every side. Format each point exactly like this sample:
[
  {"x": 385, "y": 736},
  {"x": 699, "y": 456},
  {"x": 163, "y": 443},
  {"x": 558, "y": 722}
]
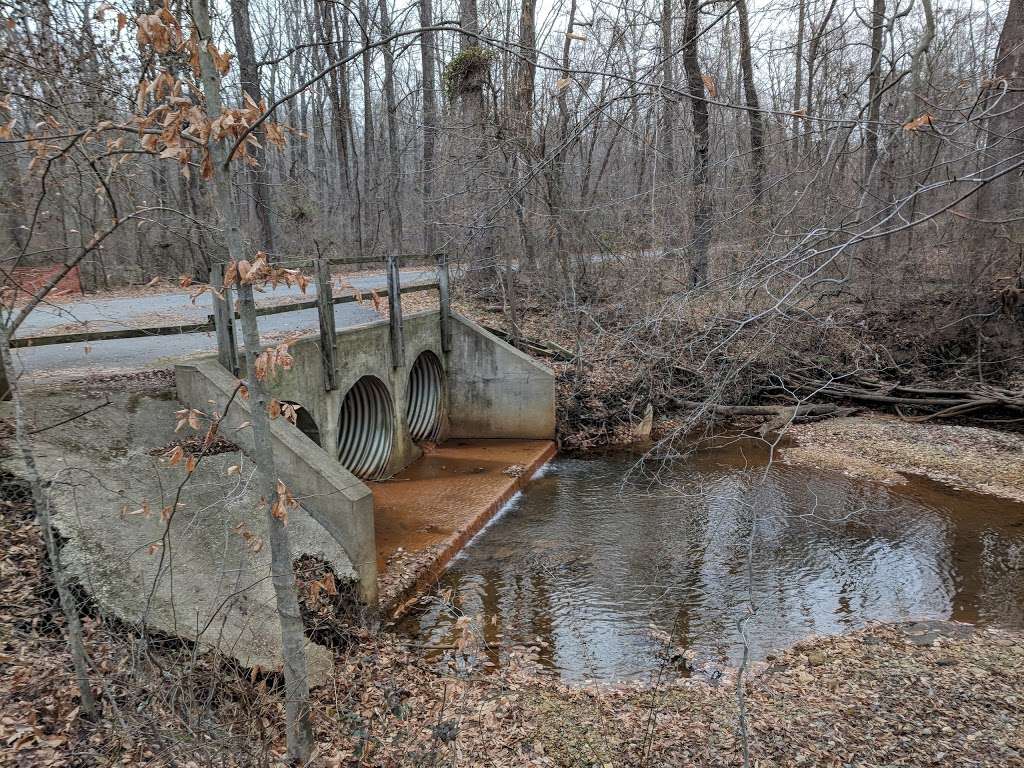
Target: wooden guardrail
[{"x": 201, "y": 327}]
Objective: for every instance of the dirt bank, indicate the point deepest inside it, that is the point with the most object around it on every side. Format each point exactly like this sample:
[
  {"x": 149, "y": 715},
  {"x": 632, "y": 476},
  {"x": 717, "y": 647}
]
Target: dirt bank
[{"x": 884, "y": 448}]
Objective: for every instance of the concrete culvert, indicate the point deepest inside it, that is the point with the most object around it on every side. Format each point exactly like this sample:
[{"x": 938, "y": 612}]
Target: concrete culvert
[
  {"x": 305, "y": 422},
  {"x": 366, "y": 429},
  {"x": 425, "y": 397}
]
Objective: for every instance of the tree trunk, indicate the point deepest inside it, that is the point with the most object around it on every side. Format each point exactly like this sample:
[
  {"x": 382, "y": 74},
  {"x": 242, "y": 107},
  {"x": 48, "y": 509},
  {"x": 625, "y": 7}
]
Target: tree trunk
[
  {"x": 754, "y": 114},
  {"x": 480, "y": 231},
  {"x": 874, "y": 92},
  {"x": 427, "y": 57},
  {"x": 1002, "y": 200},
  {"x": 13, "y": 202},
  {"x": 702, "y": 203},
  {"x": 293, "y": 640},
  {"x": 666, "y": 234},
  {"x": 337, "y": 94},
  {"x": 370, "y": 180},
  {"x": 812, "y": 69},
  {"x": 521, "y": 123},
  {"x": 356, "y": 190},
  {"x": 668, "y": 100},
  {"x": 556, "y": 168},
  {"x": 798, "y": 78},
  {"x": 392, "y": 198},
  {"x": 249, "y": 76}
]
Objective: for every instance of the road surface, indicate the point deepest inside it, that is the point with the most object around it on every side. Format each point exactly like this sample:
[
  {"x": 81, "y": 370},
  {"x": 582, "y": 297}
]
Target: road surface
[{"x": 58, "y": 361}]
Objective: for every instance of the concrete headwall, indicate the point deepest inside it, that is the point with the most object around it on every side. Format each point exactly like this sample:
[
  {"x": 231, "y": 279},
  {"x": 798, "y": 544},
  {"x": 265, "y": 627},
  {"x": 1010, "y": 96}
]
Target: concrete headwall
[
  {"x": 364, "y": 350},
  {"x": 333, "y": 496},
  {"x": 494, "y": 390}
]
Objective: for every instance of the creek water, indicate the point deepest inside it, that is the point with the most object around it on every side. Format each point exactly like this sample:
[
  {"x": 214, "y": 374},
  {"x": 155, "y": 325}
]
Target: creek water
[{"x": 607, "y": 572}]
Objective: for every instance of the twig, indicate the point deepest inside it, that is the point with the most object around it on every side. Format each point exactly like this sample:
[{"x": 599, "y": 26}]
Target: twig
[{"x": 70, "y": 419}]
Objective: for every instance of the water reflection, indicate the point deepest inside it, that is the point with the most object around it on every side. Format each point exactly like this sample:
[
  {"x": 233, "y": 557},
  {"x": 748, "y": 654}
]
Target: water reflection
[{"x": 585, "y": 565}]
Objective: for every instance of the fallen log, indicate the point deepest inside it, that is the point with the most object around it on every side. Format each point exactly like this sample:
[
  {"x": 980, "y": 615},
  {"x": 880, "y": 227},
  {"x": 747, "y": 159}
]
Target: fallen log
[
  {"x": 538, "y": 347},
  {"x": 804, "y": 409},
  {"x": 945, "y": 402},
  {"x": 780, "y": 416}
]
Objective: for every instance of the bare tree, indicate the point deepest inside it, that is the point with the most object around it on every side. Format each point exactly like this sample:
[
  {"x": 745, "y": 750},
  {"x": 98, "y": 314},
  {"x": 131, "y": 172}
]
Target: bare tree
[
  {"x": 754, "y": 114},
  {"x": 293, "y": 641},
  {"x": 874, "y": 106},
  {"x": 1001, "y": 202},
  {"x": 249, "y": 75},
  {"x": 703, "y": 207},
  {"x": 428, "y": 55}
]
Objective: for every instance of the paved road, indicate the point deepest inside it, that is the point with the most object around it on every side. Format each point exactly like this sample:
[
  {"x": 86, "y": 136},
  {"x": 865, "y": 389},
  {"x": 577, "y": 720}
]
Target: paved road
[{"x": 118, "y": 355}]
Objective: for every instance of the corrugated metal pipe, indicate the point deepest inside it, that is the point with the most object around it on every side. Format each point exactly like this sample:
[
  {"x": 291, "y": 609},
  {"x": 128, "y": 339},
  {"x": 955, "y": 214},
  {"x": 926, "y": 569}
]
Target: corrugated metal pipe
[
  {"x": 425, "y": 397},
  {"x": 366, "y": 429}
]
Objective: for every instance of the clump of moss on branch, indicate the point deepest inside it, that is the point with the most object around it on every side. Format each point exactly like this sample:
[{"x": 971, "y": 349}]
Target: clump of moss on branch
[{"x": 467, "y": 70}]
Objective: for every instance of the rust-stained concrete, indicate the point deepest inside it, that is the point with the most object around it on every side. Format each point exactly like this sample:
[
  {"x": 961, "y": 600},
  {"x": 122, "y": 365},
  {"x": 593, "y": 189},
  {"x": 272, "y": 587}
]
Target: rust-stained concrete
[{"x": 438, "y": 503}]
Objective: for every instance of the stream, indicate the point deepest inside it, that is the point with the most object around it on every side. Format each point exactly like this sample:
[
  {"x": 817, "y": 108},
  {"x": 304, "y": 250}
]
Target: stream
[{"x": 611, "y": 575}]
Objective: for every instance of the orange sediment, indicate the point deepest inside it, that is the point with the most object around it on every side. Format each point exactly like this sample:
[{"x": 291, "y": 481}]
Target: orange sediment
[{"x": 438, "y": 503}]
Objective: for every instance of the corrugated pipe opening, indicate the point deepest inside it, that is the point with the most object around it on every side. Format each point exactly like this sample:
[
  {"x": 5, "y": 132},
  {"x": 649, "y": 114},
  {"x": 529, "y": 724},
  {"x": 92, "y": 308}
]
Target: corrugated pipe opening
[
  {"x": 366, "y": 430},
  {"x": 305, "y": 422},
  {"x": 425, "y": 397}
]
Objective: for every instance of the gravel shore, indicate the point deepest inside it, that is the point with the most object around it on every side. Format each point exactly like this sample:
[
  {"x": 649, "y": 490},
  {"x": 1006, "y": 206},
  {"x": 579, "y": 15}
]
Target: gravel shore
[{"x": 885, "y": 448}]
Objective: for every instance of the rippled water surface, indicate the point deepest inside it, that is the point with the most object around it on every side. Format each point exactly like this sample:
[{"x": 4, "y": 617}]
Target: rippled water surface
[{"x": 585, "y": 564}]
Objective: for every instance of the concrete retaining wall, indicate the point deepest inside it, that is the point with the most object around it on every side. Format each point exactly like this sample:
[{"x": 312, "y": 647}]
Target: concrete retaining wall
[
  {"x": 494, "y": 390},
  {"x": 334, "y": 497}
]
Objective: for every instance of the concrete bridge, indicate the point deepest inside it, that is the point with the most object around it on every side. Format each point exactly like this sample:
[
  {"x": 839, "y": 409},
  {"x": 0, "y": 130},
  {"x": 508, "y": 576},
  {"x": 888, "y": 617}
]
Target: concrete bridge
[{"x": 365, "y": 422}]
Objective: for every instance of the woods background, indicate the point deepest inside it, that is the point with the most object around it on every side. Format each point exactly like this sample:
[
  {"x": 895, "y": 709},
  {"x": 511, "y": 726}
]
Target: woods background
[{"x": 728, "y": 140}]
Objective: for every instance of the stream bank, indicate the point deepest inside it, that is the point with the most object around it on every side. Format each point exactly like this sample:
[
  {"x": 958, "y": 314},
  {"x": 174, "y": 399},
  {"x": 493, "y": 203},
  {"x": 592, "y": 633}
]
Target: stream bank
[
  {"x": 911, "y": 694},
  {"x": 883, "y": 448}
]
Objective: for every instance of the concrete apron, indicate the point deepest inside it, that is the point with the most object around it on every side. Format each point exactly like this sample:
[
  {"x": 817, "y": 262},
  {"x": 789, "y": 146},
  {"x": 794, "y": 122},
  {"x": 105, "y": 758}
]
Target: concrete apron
[
  {"x": 426, "y": 514},
  {"x": 491, "y": 392}
]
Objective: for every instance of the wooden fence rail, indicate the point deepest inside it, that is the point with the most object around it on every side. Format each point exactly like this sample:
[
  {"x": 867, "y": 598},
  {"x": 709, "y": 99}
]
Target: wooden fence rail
[{"x": 201, "y": 327}]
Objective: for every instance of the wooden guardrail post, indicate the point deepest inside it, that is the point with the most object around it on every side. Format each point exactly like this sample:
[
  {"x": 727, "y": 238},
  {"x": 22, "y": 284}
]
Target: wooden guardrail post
[
  {"x": 5, "y": 387},
  {"x": 224, "y": 320},
  {"x": 445, "y": 301},
  {"x": 395, "y": 313},
  {"x": 325, "y": 312}
]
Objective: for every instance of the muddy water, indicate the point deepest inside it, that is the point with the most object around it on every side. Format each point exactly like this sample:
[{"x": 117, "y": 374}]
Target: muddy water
[{"x": 603, "y": 570}]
